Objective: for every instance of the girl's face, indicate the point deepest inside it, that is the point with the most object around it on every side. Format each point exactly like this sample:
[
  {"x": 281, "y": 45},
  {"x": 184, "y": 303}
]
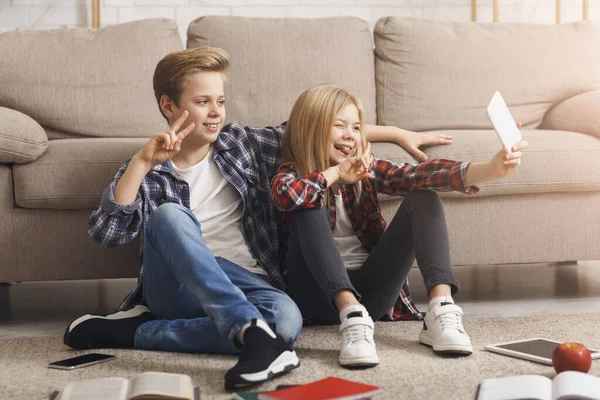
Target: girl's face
[{"x": 345, "y": 134}]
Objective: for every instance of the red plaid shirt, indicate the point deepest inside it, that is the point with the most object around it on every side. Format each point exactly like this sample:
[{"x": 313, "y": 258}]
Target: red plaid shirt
[{"x": 291, "y": 192}]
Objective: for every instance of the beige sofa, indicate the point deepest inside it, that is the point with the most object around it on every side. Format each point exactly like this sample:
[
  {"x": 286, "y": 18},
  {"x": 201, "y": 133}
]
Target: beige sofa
[{"x": 74, "y": 104}]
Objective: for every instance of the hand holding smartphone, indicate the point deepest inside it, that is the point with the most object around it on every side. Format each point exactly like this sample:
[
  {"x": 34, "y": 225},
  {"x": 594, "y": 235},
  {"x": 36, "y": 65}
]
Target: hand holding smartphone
[
  {"x": 503, "y": 122},
  {"x": 81, "y": 361}
]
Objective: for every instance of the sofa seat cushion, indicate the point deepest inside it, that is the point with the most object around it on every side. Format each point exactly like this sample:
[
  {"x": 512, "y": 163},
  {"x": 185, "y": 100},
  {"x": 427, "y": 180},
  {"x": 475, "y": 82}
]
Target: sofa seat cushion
[
  {"x": 273, "y": 60},
  {"x": 88, "y": 82},
  {"x": 553, "y": 161},
  {"x": 22, "y": 140},
  {"x": 72, "y": 173}
]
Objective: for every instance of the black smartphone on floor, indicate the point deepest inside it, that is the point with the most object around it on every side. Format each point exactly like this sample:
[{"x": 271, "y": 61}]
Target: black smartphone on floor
[{"x": 81, "y": 361}]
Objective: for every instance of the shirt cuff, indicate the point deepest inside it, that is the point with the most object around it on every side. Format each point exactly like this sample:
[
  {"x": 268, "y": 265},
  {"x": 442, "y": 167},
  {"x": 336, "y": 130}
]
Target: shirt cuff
[
  {"x": 464, "y": 166},
  {"x": 111, "y": 207},
  {"x": 319, "y": 179}
]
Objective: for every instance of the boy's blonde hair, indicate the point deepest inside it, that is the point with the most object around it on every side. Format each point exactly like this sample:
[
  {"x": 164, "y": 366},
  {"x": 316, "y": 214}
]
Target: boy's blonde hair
[
  {"x": 307, "y": 138},
  {"x": 175, "y": 68}
]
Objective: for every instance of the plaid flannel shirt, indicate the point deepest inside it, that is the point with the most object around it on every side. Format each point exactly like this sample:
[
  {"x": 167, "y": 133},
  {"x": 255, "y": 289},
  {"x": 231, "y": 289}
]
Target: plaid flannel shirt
[
  {"x": 290, "y": 192},
  {"x": 247, "y": 157}
]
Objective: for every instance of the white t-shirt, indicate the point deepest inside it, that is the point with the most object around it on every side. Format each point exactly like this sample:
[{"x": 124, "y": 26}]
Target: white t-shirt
[
  {"x": 352, "y": 251},
  {"x": 217, "y": 205}
]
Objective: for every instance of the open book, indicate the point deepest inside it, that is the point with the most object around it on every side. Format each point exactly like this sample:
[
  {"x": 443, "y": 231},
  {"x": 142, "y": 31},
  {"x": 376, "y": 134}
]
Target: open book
[
  {"x": 566, "y": 385},
  {"x": 145, "y": 386}
]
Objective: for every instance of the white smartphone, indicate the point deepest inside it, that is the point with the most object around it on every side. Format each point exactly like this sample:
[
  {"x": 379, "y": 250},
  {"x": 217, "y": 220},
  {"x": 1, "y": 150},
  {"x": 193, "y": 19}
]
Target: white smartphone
[
  {"x": 503, "y": 122},
  {"x": 535, "y": 349},
  {"x": 81, "y": 361}
]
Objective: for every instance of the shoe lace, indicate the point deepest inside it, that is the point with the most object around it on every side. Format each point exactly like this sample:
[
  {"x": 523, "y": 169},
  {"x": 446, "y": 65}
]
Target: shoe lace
[
  {"x": 451, "y": 320},
  {"x": 358, "y": 332}
]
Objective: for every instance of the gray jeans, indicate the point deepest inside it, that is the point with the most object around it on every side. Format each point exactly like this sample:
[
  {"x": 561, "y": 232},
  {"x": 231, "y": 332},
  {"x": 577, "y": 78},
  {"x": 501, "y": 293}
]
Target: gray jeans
[{"x": 316, "y": 271}]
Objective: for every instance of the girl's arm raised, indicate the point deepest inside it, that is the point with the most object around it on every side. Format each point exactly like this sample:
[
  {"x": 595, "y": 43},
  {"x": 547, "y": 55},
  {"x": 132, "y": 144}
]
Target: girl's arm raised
[
  {"x": 501, "y": 165},
  {"x": 290, "y": 192},
  {"x": 439, "y": 175}
]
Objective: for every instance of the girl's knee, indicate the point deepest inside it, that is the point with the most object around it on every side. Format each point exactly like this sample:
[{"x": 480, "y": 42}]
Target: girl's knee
[
  {"x": 425, "y": 198},
  {"x": 309, "y": 213},
  {"x": 311, "y": 217}
]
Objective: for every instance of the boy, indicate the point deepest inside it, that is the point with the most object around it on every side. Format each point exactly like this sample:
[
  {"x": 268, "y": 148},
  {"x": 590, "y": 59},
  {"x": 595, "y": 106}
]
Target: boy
[
  {"x": 210, "y": 277},
  {"x": 206, "y": 232}
]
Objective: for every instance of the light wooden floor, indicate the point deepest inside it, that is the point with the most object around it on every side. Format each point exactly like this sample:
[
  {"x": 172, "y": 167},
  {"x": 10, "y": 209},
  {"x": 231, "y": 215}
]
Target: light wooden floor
[{"x": 45, "y": 308}]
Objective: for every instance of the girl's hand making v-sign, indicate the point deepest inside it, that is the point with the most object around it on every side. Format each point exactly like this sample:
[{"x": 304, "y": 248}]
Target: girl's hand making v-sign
[
  {"x": 164, "y": 145},
  {"x": 352, "y": 170}
]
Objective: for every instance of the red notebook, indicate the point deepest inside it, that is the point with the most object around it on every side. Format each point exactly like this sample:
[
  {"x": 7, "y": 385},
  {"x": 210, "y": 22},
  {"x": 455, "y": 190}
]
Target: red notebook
[{"x": 326, "y": 389}]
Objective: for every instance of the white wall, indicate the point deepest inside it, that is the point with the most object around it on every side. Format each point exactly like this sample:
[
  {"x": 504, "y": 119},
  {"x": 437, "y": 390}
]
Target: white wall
[{"x": 52, "y": 14}]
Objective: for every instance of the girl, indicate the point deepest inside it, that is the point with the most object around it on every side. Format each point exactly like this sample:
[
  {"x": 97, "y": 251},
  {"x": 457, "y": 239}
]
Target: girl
[{"x": 343, "y": 264}]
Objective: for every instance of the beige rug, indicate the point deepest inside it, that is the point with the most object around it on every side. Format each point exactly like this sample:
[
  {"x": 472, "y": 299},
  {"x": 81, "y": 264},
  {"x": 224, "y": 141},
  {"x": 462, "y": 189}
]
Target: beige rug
[{"x": 407, "y": 369}]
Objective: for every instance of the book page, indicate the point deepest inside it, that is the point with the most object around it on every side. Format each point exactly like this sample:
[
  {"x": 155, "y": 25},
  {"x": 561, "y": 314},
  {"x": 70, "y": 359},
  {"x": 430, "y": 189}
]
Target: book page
[
  {"x": 96, "y": 389},
  {"x": 576, "y": 385},
  {"x": 533, "y": 387},
  {"x": 148, "y": 384}
]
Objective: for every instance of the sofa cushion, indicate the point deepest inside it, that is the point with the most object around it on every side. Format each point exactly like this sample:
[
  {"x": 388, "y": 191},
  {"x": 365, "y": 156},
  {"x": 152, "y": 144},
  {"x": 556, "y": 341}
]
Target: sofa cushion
[
  {"x": 73, "y": 172},
  {"x": 553, "y": 161},
  {"x": 88, "y": 82},
  {"x": 273, "y": 60},
  {"x": 578, "y": 114},
  {"x": 22, "y": 140},
  {"x": 441, "y": 75}
]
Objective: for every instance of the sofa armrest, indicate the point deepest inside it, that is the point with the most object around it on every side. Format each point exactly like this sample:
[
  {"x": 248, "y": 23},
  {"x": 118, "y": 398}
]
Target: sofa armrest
[
  {"x": 575, "y": 114},
  {"x": 22, "y": 139}
]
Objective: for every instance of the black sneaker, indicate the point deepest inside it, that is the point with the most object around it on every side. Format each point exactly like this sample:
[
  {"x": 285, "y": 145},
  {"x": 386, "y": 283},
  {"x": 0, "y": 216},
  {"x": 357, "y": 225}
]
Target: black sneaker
[
  {"x": 112, "y": 331},
  {"x": 263, "y": 358}
]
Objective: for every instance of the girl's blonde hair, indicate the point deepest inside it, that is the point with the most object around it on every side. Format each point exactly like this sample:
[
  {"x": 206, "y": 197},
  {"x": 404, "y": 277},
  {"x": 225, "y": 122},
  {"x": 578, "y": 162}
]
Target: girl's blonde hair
[{"x": 307, "y": 137}]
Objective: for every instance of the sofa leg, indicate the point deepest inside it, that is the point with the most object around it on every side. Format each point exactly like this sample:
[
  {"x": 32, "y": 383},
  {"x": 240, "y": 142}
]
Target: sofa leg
[
  {"x": 6, "y": 307},
  {"x": 566, "y": 279},
  {"x": 569, "y": 262}
]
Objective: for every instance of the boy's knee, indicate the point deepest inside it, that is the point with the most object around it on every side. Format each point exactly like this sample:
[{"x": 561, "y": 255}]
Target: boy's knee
[
  {"x": 286, "y": 316},
  {"x": 289, "y": 323},
  {"x": 165, "y": 215}
]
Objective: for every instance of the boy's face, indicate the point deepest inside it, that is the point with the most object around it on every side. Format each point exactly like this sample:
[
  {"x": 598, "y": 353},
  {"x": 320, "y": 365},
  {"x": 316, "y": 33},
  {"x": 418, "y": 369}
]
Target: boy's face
[
  {"x": 345, "y": 134},
  {"x": 204, "y": 99}
]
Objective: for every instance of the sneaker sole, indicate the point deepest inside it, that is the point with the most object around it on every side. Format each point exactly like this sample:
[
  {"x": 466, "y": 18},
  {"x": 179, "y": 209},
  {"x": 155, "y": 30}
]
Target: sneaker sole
[
  {"x": 134, "y": 312},
  {"x": 426, "y": 339},
  {"x": 286, "y": 361},
  {"x": 359, "y": 362},
  {"x": 131, "y": 313}
]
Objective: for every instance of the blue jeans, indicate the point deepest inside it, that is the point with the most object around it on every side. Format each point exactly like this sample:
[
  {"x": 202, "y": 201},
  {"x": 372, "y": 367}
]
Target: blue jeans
[{"x": 202, "y": 301}]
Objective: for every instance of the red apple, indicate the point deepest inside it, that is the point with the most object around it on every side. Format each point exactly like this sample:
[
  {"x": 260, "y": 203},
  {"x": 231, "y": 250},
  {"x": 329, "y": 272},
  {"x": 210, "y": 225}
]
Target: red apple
[{"x": 571, "y": 356}]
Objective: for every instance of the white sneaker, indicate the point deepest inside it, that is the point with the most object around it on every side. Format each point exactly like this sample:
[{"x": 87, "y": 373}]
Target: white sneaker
[
  {"x": 443, "y": 328},
  {"x": 358, "y": 347}
]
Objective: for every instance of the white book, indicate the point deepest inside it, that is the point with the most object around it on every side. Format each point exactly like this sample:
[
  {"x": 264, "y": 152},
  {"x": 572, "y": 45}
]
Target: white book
[
  {"x": 145, "y": 386},
  {"x": 568, "y": 385}
]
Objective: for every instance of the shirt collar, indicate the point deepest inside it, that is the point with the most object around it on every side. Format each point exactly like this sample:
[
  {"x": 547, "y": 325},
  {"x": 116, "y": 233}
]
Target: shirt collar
[{"x": 167, "y": 168}]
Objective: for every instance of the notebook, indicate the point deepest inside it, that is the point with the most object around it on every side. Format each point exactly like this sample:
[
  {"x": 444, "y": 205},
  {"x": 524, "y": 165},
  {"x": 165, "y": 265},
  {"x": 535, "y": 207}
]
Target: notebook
[{"x": 330, "y": 388}]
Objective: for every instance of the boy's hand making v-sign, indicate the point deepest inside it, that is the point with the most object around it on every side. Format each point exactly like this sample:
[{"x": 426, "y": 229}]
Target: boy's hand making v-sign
[
  {"x": 158, "y": 149},
  {"x": 164, "y": 145}
]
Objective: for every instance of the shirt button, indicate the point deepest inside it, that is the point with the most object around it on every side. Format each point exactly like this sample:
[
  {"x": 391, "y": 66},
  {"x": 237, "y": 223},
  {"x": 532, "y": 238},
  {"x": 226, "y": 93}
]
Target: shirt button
[{"x": 180, "y": 186}]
